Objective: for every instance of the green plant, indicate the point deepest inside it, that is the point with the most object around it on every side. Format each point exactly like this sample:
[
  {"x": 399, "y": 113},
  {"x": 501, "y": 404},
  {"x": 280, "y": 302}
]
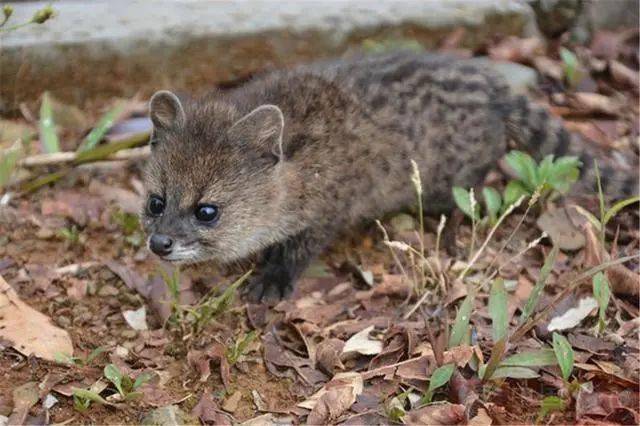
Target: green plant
[
  {"x": 439, "y": 378},
  {"x": 564, "y": 355},
  {"x": 9, "y": 162},
  {"x": 80, "y": 361},
  {"x": 126, "y": 387},
  {"x": 130, "y": 225},
  {"x": 602, "y": 294},
  {"x": 240, "y": 346},
  {"x": 39, "y": 17},
  {"x": 546, "y": 178},
  {"x": 71, "y": 235},
  {"x": 82, "y": 399},
  {"x": 571, "y": 67},
  {"x": 606, "y": 214},
  {"x": 550, "y": 404},
  {"x": 101, "y": 128}
]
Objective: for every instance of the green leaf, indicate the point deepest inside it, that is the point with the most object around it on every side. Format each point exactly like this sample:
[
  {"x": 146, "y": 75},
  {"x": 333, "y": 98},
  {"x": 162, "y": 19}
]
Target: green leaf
[
  {"x": 48, "y": 135},
  {"x": 564, "y": 354},
  {"x": 439, "y": 378},
  {"x": 9, "y": 162},
  {"x": 514, "y": 373},
  {"x": 113, "y": 374},
  {"x": 563, "y": 173},
  {"x": 101, "y": 128},
  {"x": 493, "y": 201},
  {"x": 88, "y": 395},
  {"x": 571, "y": 67},
  {"x": 525, "y": 168},
  {"x": 512, "y": 193},
  {"x": 619, "y": 206},
  {"x": 532, "y": 301},
  {"x": 498, "y": 310},
  {"x": 462, "y": 198},
  {"x": 497, "y": 352},
  {"x": 550, "y": 404},
  {"x": 602, "y": 293},
  {"x": 590, "y": 217},
  {"x": 142, "y": 379},
  {"x": 461, "y": 324},
  {"x": 540, "y": 358},
  {"x": 94, "y": 353}
]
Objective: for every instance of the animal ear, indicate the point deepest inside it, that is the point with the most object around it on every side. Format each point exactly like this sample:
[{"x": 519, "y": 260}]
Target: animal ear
[
  {"x": 165, "y": 110},
  {"x": 262, "y": 127}
]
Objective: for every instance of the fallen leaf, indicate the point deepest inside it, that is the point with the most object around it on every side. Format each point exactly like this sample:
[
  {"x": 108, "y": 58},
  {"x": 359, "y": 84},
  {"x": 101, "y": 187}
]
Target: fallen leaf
[
  {"x": 559, "y": 226},
  {"x": 128, "y": 201},
  {"x": 437, "y": 414},
  {"x": 201, "y": 361},
  {"x": 515, "y": 49},
  {"x": 595, "y": 103},
  {"x": 231, "y": 403},
  {"x": 24, "y": 397},
  {"x": 208, "y": 412},
  {"x": 136, "y": 319},
  {"x": 334, "y": 398},
  {"x": 362, "y": 343},
  {"x": 623, "y": 75},
  {"x": 29, "y": 331},
  {"x": 573, "y": 316},
  {"x": 328, "y": 355},
  {"x": 481, "y": 419}
]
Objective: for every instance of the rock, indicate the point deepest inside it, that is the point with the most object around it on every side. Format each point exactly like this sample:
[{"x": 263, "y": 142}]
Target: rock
[
  {"x": 121, "y": 47},
  {"x": 519, "y": 77},
  {"x": 108, "y": 290},
  {"x": 170, "y": 415}
]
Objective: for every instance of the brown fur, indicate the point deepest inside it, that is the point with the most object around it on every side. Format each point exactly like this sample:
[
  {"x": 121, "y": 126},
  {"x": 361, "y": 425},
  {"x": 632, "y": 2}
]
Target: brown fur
[{"x": 332, "y": 149}]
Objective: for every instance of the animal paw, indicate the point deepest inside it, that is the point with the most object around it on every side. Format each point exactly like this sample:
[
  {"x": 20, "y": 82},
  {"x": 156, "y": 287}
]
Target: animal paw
[{"x": 269, "y": 286}]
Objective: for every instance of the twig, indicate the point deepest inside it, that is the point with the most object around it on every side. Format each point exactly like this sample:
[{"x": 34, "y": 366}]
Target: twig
[{"x": 57, "y": 158}]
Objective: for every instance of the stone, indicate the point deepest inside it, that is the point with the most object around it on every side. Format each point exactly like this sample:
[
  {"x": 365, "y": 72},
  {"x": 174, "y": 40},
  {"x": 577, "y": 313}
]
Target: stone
[
  {"x": 107, "y": 48},
  {"x": 170, "y": 415},
  {"x": 108, "y": 290},
  {"x": 519, "y": 77}
]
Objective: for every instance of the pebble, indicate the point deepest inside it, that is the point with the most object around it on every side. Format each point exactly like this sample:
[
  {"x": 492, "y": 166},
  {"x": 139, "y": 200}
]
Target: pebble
[
  {"x": 45, "y": 234},
  {"x": 63, "y": 322}
]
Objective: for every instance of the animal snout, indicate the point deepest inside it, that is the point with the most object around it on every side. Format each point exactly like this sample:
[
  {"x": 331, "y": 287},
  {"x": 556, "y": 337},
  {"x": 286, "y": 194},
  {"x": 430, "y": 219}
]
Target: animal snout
[{"x": 161, "y": 244}]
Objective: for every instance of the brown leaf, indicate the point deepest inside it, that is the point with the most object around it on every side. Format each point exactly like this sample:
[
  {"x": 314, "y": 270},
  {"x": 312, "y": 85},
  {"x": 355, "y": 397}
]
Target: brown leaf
[
  {"x": 207, "y": 411},
  {"x": 24, "y": 397},
  {"x": 437, "y": 414},
  {"x": 606, "y": 44},
  {"x": 77, "y": 206},
  {"x": 328, "y": 355},
  {"x": 128, "y": 201},
  {"x": 29, "y": 331},
  {"x": 334, "y": 398},
  {"x": 594, "y": 103},
  {"x": 201, "y": 361},
  {"x": 561, "y": 229},
  {"x": 549, "y": 67},
  {"x": 392, "y": 286},
  {"x": 623, "y": 75}
]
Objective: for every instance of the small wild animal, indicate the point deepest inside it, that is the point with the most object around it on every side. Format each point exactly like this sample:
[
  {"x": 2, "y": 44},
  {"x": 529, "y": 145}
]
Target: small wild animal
[{"x": 274, "y": 170}]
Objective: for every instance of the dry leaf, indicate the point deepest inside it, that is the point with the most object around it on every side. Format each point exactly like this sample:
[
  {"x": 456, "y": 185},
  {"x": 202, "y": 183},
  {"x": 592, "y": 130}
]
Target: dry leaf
[
  {"x": 362, "y": 343},
  {"x": 573, "y": 316},
  {"x": 437, "y": 414},
  {"x": 207, "y": 411},
  {"x": 334, "y": 398},
  {"x": 29, "y": 331}
]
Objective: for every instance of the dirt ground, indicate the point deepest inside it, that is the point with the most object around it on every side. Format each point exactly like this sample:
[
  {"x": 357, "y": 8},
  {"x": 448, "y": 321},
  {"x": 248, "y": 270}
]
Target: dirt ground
[{"x": 359, "y": 341}]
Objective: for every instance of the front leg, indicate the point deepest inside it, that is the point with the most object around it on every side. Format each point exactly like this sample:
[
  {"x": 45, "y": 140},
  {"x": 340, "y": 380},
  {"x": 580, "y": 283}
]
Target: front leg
[{"x": 283, "y": 263}]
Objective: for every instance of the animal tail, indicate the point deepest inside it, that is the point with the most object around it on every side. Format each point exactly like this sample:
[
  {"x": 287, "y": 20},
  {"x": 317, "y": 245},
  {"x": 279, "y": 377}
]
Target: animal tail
[{"x": 534, "y": 130}]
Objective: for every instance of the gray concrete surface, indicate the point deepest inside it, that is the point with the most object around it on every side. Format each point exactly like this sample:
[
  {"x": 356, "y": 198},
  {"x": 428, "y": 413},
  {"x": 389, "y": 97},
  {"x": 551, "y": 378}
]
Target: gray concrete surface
[{"x": 119, "y": 47}]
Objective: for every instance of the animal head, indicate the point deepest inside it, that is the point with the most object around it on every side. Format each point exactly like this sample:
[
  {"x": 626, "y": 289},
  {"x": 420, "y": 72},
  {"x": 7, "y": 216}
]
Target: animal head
[{"x": 213, "y": 181}]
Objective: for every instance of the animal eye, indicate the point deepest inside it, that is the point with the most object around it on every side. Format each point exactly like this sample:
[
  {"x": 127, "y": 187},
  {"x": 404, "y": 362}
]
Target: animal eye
[
  {"x": 155, "y": 205},
  {"x": 207, "y": 213}
]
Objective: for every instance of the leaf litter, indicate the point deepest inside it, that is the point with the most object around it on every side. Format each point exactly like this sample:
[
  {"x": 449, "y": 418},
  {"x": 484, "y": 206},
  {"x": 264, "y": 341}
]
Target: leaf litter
[{"x": 341, "y": 350}]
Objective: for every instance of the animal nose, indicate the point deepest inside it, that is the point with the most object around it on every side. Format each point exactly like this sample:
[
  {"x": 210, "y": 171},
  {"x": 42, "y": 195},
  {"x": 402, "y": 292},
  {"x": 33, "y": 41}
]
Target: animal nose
[{"x": 160, "y": 244}]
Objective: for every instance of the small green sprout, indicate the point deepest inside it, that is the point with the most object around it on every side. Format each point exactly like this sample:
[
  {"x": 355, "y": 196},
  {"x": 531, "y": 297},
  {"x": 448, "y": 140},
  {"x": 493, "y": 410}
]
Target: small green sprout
[{"x": 126, "y": 387}]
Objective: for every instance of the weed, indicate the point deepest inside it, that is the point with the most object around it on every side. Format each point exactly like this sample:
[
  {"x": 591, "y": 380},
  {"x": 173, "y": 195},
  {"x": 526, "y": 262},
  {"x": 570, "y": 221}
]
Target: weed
[
  {"x": 602, "y": 293},
  {"x": 125, "y": 385},
  {"x": 240, "y": 347},
  {"x": 548, "y": 178},
  {"x": 71, "y": 235},
  {"x": 130, "y": 225},
  {"x": 439, "y": 378},
  {"x": 80, "y": 361},
  {"x": 39, "y": 17},
  {"x": 571, "y": 67}
]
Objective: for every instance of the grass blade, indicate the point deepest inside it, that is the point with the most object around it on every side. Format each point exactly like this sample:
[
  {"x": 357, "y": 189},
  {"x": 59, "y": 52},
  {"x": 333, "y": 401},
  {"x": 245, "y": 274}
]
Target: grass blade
[
  {"x": 514, "y": 373},
  {"x": 498, "y": 310},
  {"x": 101, "y": 128},
  {"x": 617, "y": 207},
  {"x": 540, "y": 358},
  {"x": 439, "y": 378},
  {"x": 540, "y": 283},
  {"x": 48, "y": 135},
  {"x": 564, "y": 354},
  {"x": 461, "y": 325}
]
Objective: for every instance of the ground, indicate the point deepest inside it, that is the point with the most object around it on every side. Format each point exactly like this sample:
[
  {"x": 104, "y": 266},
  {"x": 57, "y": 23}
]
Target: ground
[{"x": 364, "y": 339}]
